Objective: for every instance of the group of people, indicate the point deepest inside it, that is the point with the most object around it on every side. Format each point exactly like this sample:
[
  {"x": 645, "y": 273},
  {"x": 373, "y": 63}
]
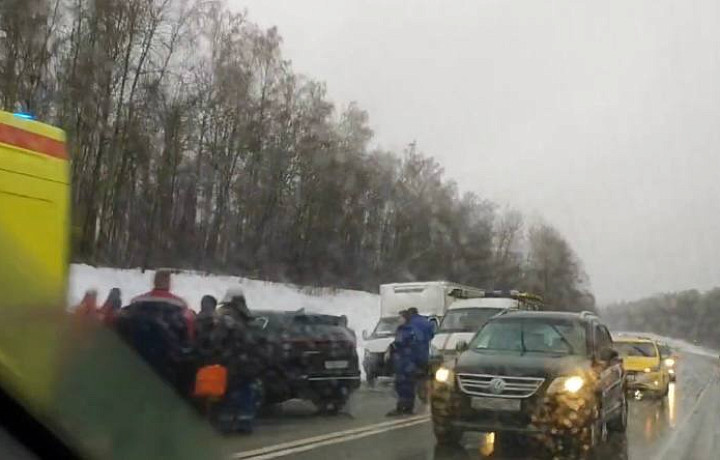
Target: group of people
[
  {"x": 177, "y": 343},
  {"x": 410, "y": 353}
]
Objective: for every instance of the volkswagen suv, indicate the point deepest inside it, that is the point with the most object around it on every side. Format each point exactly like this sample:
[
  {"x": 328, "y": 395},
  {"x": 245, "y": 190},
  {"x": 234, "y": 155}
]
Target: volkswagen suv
[{"x": 552, "y": 375}]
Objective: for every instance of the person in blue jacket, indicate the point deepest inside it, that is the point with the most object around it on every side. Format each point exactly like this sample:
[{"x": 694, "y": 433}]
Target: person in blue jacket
[
  {"x": 425, "y": 333},
  {"x": 404, "y": 350}
]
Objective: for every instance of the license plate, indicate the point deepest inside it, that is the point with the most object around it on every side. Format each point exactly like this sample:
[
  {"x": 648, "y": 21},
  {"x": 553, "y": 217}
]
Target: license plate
[
  {"x": 498, "y": 404},
  {"x": 336, "y": 365}
]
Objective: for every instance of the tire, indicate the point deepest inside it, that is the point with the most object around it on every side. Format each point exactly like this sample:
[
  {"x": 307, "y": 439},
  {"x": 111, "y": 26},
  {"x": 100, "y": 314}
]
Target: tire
[
  {"x": 509, "y": 444},
  {"x": 445, "y": 434},
  {"x": 330, "y": 407},
  {"x": 618, "y": 424},
  {"x": 586, "y": 444}
]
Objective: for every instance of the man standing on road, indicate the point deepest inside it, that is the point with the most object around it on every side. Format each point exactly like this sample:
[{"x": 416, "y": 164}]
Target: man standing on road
[
  {"x": 239, "y": 351},
  {"x": 156, "y": 326},
  {"x": 425, "y": 333},
  {"x": 161, "y": 293},
  {"x": 404, "y": 359}
]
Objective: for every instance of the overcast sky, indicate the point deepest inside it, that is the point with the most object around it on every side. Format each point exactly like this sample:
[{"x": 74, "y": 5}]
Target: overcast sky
[{"x": 601, "y": 117}]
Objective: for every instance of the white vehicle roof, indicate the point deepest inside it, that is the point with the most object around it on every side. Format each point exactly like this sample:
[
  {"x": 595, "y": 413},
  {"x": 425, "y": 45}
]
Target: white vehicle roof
[{"x": 487, "y": 302}]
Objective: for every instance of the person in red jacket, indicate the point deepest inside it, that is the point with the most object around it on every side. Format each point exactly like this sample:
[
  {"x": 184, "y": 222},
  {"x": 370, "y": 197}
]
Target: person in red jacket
[{"x": 161, "y": 293}]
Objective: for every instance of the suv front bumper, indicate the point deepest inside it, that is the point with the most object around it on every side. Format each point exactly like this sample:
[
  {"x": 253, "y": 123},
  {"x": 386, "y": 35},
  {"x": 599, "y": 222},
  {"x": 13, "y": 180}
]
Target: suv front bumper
[{"x": 538, "y": 414}]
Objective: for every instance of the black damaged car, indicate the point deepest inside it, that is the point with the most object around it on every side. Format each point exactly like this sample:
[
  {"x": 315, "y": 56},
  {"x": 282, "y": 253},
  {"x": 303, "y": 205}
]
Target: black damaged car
[
  {"x": 312, "y": 357},
  {"x": 552, "y": 377}
]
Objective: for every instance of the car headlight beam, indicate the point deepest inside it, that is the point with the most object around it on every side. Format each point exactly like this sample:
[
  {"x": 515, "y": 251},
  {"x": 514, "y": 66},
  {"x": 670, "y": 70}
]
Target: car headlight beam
[
  {"x": 443, "y": 375},
  {"x": 573, "y": 384},
  {"x": 669, "y": 362}
]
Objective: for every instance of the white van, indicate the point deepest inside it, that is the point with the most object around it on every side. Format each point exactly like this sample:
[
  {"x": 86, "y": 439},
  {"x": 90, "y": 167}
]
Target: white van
[
  {"x": 432, "y": 299},
  {"x": 466, "y": 316}
]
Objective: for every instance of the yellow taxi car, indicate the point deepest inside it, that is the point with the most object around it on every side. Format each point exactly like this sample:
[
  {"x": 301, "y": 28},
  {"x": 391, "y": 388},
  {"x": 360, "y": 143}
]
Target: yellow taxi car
[{"x": 643, "y": 364}]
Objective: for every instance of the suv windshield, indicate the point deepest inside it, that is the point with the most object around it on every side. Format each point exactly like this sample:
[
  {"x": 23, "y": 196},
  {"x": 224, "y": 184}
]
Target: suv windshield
[
  {"x": 642, "y": 349},
  {"x": 467, "y": 319},
  {"x": 387, "y": 326},
  {"x": 537, "y": 335}
]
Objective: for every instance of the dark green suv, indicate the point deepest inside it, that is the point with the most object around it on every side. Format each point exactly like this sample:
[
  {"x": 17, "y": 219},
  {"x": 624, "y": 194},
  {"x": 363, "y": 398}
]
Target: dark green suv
[{"x": 552, "y": 375}]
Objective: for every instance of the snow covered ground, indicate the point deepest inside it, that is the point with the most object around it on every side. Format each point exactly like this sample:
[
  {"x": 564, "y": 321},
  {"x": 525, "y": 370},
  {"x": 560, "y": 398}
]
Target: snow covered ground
[{"x": 361, "y": 308}]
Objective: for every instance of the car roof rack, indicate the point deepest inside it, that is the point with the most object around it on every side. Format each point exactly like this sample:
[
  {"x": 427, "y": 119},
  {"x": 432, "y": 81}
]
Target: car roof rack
[{"x": 588, "y": 314}]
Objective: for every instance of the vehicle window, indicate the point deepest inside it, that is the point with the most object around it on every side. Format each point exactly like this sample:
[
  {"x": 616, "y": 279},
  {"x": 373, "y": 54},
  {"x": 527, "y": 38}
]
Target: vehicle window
[
  {"x": 642, "y": 349},
  {"x": 386, "y": 327},
  {"x": 532, "y": 335},
  {"x": 665, "y": 351},
  {"x": 602, "y": 337},
  {"x": 467, "y": 320}
]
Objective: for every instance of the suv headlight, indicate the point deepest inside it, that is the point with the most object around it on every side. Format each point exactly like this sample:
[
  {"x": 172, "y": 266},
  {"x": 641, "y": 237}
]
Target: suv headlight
[
  {"x": 444, "y": 375},
  {"x": 569, "y": 384}
]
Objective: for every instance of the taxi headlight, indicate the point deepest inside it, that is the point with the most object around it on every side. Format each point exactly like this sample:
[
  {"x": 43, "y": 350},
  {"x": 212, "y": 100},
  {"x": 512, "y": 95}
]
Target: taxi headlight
[
  {"x": 669, "y": 362},
  {"x": 570, "y": 384},
  {"x": 443, "y": 375}
]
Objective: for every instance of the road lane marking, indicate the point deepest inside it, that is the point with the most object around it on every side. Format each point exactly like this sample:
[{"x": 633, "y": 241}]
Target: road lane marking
[
  {"x": 377, "y": 427},
  {"x": 333, "y": 440}
]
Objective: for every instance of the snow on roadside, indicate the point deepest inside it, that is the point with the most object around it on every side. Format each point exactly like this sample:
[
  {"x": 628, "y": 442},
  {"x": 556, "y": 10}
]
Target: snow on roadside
[{"x": 361, "y": 308}]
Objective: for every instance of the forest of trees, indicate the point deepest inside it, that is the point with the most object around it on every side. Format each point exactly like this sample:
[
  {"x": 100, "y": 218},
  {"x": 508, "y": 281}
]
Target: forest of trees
[
  {"x": 196, "y": 145},
  {"x": 690, "y": 315}
]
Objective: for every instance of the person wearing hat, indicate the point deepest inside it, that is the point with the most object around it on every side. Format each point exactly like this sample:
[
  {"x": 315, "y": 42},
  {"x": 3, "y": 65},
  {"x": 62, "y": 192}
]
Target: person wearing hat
[
  {"x": 237, "y": 346},
  {"x": 404, "y": 360}
]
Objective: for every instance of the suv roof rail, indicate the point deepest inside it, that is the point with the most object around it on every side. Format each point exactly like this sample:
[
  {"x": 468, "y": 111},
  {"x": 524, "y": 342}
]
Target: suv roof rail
[{"x": 588, "y": 314}]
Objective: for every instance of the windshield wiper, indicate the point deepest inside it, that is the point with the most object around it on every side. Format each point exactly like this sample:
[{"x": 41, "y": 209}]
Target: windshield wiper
[{"x": 564, "y": 339}]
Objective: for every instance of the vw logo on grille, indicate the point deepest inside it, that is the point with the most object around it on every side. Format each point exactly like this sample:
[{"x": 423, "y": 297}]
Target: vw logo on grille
[{"x": 497, "y": 385}]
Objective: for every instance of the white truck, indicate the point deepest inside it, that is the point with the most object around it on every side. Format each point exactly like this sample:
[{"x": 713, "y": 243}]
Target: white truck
[
  {"x": 432, "y": 299},
  {"x": 466, "y": 316}
]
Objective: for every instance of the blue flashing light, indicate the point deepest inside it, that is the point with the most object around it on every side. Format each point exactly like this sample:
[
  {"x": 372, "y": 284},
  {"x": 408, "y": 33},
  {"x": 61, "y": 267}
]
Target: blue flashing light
[{"x": 24, "y": 116}]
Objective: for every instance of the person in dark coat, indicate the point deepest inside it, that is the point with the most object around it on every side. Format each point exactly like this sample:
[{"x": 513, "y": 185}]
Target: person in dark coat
[
  {"x": 236, "y": 343},
  {"x": 155, "y": 326},
  {"x": 204, "y": 326},
  {"x": 403, "y": 351}
]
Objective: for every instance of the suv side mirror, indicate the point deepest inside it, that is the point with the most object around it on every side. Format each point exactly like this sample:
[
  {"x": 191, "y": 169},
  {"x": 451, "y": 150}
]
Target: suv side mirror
[
  {"x": 461, "y": 346},
  {"x": 608, "y": 354},
  {"x": 365, "y": 334}
]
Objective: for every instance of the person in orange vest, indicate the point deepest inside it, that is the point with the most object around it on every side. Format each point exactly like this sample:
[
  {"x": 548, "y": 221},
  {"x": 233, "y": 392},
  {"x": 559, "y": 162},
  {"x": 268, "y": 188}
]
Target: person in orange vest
[{"x": 161, "y": 293}]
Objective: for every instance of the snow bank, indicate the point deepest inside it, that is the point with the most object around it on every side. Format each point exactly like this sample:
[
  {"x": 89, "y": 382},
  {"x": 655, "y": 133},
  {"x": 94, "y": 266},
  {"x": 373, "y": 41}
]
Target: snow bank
[{"x": 361, "y": 308}]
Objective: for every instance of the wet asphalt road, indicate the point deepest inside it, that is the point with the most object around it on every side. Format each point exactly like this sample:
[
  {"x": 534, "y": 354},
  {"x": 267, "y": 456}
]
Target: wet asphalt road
[{"x": 685, "y": 425}]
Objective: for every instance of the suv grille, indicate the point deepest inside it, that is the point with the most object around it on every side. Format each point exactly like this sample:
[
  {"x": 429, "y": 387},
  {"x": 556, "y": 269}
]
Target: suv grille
[{"x": 499, "y": 385}]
